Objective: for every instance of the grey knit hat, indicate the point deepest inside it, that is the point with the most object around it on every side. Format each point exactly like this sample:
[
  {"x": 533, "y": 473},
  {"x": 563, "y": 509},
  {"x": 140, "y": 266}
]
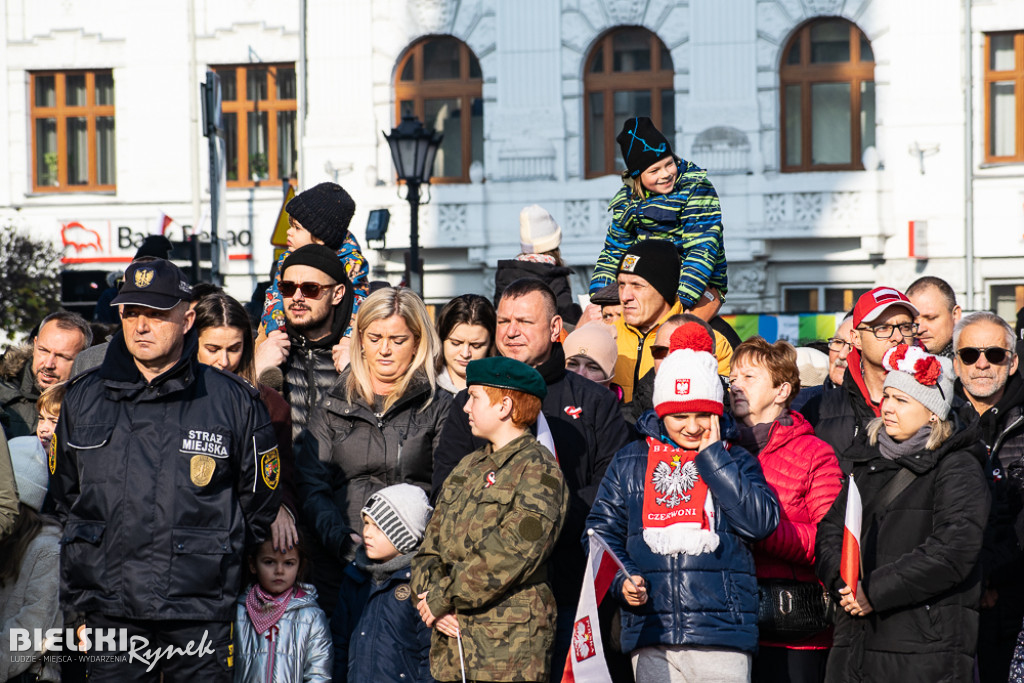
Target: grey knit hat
[
  {"x": 325, "y": 210},
  {"x": 926, "y": 378},
  {"x": 401, "y": 512}
]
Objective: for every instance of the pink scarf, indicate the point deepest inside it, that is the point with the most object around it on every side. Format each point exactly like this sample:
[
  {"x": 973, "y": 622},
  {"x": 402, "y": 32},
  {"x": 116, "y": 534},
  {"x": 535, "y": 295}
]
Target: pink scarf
[{"x": 264, "y": 609}]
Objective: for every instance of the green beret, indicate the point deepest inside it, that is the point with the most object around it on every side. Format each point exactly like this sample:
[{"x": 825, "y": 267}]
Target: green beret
[{"x": 506, "y": 373}]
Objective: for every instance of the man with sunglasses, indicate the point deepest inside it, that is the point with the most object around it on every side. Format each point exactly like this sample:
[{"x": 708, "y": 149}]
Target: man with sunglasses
[
  {"x": 317, "y": 299},
  {"x": 986, "y": 369},
  {"x": 882, "y": 318}
]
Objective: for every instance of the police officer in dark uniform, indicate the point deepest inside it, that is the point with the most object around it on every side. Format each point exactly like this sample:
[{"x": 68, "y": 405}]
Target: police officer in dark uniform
[{"x": 162, "y": 469}]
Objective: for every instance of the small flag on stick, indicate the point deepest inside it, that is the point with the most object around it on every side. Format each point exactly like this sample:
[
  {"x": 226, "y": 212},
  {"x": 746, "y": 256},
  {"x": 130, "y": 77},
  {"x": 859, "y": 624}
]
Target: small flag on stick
[{"x": 849, "y": 563}]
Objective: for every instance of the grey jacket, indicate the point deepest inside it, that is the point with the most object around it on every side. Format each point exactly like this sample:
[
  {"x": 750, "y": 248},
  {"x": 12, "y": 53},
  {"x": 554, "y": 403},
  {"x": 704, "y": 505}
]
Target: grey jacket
[
  {"x": 32, "y": 602},
  {"x": 301, "y": 645}
]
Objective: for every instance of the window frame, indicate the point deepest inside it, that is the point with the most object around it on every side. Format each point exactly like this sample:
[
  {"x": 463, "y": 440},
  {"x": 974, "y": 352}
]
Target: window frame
[
  {"x": 241, "y": 106},
  {"x": 805, "y": 74},
  {"x": 1016, "y": 75},
  {"x": 418, "y": 90},
  {"x": 819, "y": 295},
  {"x": 61, "y": 112},
  {"x": 609, "y": 82}
]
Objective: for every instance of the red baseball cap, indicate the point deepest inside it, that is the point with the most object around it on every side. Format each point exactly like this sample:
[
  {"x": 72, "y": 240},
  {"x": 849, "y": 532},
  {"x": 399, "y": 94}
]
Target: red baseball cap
[{"x": 871, "y": 305}]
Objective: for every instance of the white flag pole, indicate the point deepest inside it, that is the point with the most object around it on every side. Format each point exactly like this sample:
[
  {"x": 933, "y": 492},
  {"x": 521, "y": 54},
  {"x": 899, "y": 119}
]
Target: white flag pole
[{"x": 618, "y": 562}]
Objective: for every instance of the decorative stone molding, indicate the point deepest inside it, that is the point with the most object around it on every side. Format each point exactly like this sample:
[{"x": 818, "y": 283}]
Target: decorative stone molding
[
  {"x": 451, "y": 219},
  {"x": 722, "y": 150},
  {"x": 845, "y": 206},
  {"x": 433, "y": 16},
  {"x": 578, "y": 217},
  {"x": 626, "y": 11},
  {"x": 807, "y": 206},
  {"x": 775, "y": 209},
  {"x": 527, "y": 159},
  {"x": 747, "y": 281}
]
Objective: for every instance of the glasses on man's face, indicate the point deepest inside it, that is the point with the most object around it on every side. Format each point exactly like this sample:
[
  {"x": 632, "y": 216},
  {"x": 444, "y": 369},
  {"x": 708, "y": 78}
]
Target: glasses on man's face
[
  {"x": 886, "y": 331},
  {"x": 659, "y": 352},
  {"x": 836, "y": 344},
  {"x": 310, "y": 290},
  {"x": 996, "y": 355}
]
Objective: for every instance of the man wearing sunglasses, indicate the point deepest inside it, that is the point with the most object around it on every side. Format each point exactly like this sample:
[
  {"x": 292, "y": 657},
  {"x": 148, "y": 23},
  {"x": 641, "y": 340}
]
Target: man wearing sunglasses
[
  {"x": 882, "y": 318},
  {"x": 317, "y": 299},
  {"x": 986, "y": 369}
]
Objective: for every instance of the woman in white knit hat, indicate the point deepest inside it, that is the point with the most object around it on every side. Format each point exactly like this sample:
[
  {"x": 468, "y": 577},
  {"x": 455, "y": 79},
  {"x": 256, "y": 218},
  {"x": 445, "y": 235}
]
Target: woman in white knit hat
[
  {"x": 540, "y": 258},
  {"x": 925, "y": 504},
  {"x": 679, "y": 510}
]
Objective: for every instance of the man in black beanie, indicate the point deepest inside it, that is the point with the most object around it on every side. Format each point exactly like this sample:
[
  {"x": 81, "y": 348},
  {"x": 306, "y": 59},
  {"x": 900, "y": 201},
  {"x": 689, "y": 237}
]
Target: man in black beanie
[
  {"x": 648, "y": 277},
  {"x": 317, "y": 298}
]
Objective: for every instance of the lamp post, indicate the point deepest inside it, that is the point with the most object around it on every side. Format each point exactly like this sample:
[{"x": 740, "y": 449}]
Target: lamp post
[{"x": 413, "y": 149}]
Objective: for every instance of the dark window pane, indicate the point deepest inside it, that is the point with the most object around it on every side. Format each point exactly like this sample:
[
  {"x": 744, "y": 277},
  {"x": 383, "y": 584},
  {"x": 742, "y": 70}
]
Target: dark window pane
[
  {"x": 46, "y": 91},
  {"x": 46, "y": 152},
  {"x": 445, "y": 115},
  {"x": 78, "y": 150},
  {"x": 666, "y": 59},
  {"x": 287, "y": 153},
  {"x": 830, "y": 42},
  {"x": 631, "y": 50},
  {"x": 228, "y": 86},
  {"x": 597, "y": 66},
  {"x": 800, "y": 300},
  {"x": 74, "y": 90},
  {"x": 230, "y": 123},
  {"x": 409, "y": 69},
  {"x": 794, "y": 145},
  {"x": 440, "y": 59},
  {"x": 285, "y": 83},
  {"x": 477, "y": 133},
  {"x": 105, "y": 150},
  {"x": 595, "y": 131},
  {"x": 406, "y": 108},
  {"x": 668, "y": 113},
  {"x": 104, "y": 89},
  {"x": 1001, "y": 57},
  {"x": 474, "y": 67},
  {"x": 867, "y": 115},
  {"x": 866, "y": 54},
  {"x": 830, "y": 123},
  {"x": 259, "y": 163},
  {"x": 256, "y": 84},
  {"x": 1002, "y": 121},
  {"x": 794, "y": 53}
]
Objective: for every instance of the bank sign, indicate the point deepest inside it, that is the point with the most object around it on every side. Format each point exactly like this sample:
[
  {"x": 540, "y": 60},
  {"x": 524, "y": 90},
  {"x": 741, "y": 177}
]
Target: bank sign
[{"x": 98, "y": 242}]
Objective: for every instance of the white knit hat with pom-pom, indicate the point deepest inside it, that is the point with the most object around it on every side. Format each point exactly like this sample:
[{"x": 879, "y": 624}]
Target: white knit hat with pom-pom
[{"x": 687, "y": 381}]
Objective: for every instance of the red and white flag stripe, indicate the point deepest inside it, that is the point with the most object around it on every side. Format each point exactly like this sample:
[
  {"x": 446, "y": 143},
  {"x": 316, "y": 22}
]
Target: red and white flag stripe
[
  {"x": 849, "y": 562},
  {"x": 586, "y": 654}
]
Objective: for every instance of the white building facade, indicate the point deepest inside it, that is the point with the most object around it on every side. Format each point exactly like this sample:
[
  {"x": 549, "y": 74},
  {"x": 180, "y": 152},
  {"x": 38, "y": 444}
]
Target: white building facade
[{"x": 834, "y": 130}]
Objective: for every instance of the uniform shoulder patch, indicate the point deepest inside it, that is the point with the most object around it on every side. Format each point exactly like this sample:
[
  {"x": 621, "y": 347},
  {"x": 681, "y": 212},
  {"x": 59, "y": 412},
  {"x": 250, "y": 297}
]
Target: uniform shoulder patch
[
  {"x": 550, "y": 481},
  {"x": 403, "y": 592},
  {"x": 270, "y": 467},
  {"x": 530, "y": 528}
]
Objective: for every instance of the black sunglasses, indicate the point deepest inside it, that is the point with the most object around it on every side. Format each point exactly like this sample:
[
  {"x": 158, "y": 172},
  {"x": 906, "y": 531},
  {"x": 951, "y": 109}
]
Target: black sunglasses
[
  {"x": 310, "y": 290},
  {"x": 659, "y": 352},
  {"x": 996, "y": 355}
]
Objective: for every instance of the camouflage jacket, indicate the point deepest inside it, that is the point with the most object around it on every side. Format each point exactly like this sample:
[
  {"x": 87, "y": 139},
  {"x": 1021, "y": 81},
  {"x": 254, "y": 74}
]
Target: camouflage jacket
[{"x": 483, "y": 558}]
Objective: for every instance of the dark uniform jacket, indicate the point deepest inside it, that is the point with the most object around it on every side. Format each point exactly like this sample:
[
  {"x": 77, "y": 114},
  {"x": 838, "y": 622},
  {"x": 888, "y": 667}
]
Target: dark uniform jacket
[
  {"x": 18, "y": 393},
  {"x": 919, "y": 559},
  {"x": 587, "y": 428},
  {"x": 159, "y": 486},
  {"x": 483, "y": 559},
  {"x": 842, "y": 416},
  {"x": 555, "y": 277}
]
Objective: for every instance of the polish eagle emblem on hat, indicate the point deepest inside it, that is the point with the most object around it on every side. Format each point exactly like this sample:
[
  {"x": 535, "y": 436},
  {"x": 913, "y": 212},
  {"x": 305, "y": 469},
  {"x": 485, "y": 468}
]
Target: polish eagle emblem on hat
[{"x": 143, "y": 277}]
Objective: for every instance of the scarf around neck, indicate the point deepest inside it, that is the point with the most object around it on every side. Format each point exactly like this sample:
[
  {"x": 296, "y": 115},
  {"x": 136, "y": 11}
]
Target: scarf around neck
[
  {"x": 264, "y": 609},
  {"x": 678, "y": 509},
  {"x": 894, "y": 450}
]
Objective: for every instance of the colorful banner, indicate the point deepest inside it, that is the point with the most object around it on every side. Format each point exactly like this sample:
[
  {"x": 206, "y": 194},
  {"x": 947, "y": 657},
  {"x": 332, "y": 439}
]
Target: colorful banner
[{"x": 797, "y": 329}]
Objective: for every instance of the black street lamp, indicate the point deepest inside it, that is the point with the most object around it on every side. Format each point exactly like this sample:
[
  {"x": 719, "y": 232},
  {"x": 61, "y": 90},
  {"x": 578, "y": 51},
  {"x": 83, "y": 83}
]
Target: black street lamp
[{"x": 413, "y": 149}]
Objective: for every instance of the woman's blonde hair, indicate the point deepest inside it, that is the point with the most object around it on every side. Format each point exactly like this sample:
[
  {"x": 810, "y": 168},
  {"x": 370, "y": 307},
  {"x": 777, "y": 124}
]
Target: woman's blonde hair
[
  {"x": 941, "y": 430},
  {"x": 382, "y": 304}
]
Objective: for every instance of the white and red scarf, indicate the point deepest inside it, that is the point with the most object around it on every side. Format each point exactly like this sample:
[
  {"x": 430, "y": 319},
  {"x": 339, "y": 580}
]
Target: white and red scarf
[
  {"x": 264, "y": 609},
  {"x": 678, "y": 511}
]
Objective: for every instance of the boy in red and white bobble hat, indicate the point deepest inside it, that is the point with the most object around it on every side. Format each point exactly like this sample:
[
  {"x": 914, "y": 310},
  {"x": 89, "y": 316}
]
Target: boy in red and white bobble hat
[{"x": 679, "y": 510}]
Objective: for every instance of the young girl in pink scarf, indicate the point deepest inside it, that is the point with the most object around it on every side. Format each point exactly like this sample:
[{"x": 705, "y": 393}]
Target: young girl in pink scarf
[{"x": 281, "y": 634}]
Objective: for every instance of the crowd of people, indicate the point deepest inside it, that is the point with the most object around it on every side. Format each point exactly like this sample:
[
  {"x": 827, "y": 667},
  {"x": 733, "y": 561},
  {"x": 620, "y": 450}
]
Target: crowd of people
[{"x": 338, "y": 484}]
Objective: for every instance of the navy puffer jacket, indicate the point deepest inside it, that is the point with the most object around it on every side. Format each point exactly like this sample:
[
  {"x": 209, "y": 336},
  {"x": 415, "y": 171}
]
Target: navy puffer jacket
[{"x": 707, "y": 600}]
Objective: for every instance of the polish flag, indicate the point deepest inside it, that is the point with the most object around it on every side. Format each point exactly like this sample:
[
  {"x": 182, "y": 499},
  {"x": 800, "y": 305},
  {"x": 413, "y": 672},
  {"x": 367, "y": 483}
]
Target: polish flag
[
  {"x": 849, "y": 563},
  {"x": 586, "y": 654},
  {"x": 163, "y": 222}
]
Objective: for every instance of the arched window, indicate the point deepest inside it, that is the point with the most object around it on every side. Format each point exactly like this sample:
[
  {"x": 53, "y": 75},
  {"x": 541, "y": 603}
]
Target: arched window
[
  {"x": 438, "y": 81},
  {"x": 627, "y": 73},
  {"x": 827, "y": 96}
]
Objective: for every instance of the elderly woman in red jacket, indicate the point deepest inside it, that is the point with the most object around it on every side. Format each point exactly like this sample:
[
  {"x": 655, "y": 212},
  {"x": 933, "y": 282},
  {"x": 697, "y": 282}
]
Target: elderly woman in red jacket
[{"x": 803, "y": 472}]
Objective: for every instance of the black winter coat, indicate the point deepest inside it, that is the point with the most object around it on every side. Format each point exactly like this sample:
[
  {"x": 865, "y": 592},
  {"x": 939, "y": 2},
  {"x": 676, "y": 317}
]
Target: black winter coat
[
  {"x": 842, "y": 416},
  {"x": 555, "y": 277},
  {"x": 585, "y": 440},
  {"x": 348, "y": 453},
  {"x": 160, "y": 486},
  {"x": 920, "y": 569}
]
